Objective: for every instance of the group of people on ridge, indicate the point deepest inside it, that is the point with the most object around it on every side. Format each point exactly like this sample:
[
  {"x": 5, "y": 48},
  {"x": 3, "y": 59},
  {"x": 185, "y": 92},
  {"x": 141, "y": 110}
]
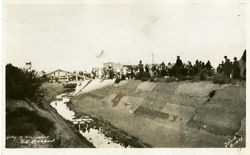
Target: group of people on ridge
[{"x": 179, "y": 70}]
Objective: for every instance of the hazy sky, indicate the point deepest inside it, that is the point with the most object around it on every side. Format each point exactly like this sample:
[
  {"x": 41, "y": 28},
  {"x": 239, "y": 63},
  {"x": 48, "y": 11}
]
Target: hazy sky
[{"x": 70, "y": 36}]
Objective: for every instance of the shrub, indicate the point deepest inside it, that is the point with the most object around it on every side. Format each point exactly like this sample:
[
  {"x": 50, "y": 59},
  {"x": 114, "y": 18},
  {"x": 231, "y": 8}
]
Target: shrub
[
  {"x": 70, "y": 85},
  {"x": 203, "y": 76},
  {"x": 220, "y": 79},
  {"x": 195, "y": 78},
  {"x": 21, "y": 84}
]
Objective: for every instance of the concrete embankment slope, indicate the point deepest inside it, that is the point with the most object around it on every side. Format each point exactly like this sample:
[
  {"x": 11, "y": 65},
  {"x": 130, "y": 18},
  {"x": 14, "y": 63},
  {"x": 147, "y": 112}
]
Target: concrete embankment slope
[{"x": 174, "y": 114}]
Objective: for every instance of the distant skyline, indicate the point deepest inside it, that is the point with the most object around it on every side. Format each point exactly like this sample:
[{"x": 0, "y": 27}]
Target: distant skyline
[{"x": 82, "y": 36}]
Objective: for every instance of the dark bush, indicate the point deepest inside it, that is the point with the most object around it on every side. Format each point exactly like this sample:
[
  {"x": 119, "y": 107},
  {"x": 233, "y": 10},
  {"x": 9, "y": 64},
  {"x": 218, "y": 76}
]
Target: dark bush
[
  {"x": 203, "y": 76},
  {"x": 220, "y": 79},
  {"x": 68, "y": 90},
  {"x": 20, "y": 83},
  {"x": 22, "y": 122},
  {"x": 70, "y": 85}
]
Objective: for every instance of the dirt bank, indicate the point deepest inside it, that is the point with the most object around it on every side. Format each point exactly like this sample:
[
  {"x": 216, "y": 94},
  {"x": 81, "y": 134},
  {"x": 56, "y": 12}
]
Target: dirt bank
[
  {"x": 174, "y": 114},
  {"x": 63, "y": 134}
]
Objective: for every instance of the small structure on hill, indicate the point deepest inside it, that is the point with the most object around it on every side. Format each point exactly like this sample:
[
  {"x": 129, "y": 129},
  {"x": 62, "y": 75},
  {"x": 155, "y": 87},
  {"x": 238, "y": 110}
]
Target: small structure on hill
[{"x": 64, "y": 76}]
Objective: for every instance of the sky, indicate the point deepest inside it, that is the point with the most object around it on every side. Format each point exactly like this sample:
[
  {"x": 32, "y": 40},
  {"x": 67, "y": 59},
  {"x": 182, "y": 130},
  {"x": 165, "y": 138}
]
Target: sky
[{"x": 70, "y": 36}]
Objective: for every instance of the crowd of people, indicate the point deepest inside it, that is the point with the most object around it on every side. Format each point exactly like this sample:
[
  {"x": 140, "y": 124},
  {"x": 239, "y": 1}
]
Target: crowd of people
[
  {"x": 179, "y": 70},
  {"x": 229, "y": 69}
]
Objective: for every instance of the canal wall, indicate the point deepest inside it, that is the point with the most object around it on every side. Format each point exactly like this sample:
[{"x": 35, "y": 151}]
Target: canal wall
[{"x": 174, "y": 114}]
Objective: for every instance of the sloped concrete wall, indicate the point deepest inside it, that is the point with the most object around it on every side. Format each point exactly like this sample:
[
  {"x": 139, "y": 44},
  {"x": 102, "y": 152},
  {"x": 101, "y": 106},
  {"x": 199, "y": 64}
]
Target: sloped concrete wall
[{"x": 184, "y": 109}]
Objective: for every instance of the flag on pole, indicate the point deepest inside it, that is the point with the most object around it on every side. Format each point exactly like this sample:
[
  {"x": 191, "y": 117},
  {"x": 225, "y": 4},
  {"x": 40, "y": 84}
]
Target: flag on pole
[{"x": 28, "y": 65}]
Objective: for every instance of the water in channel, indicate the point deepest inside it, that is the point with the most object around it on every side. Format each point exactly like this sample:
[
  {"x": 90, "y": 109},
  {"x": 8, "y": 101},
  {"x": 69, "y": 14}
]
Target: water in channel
[{"x": 94, "y": 135}]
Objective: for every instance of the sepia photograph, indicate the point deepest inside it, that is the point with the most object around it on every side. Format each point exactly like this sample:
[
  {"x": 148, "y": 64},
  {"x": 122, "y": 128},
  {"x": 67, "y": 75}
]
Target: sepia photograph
[{"x": 106, "y": 74}]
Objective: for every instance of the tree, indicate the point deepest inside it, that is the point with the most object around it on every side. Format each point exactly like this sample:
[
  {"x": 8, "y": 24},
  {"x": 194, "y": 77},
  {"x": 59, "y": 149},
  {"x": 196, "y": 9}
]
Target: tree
[{"x": 20, "y": 83}]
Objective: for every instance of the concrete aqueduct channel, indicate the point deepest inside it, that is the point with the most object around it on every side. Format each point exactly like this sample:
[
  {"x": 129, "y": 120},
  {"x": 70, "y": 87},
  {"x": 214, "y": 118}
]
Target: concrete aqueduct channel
[{"x": 160, "y": 114}]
